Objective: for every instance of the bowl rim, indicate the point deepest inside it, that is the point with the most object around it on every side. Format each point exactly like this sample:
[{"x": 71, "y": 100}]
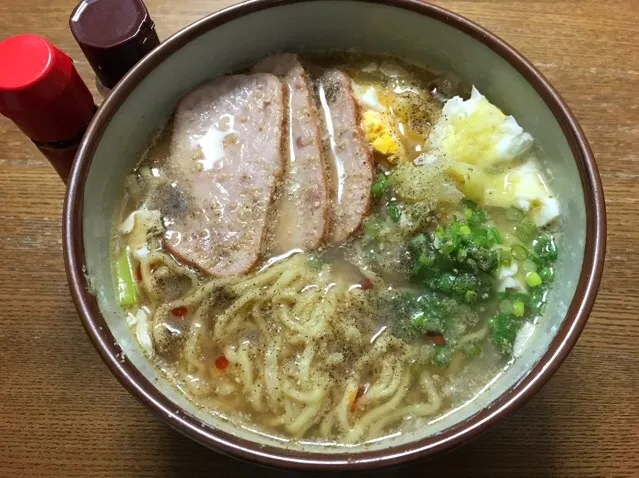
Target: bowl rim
[{"x": 147, "y": 394}]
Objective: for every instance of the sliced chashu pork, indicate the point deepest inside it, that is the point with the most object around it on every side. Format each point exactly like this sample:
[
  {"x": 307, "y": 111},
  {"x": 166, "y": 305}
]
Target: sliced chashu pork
[
  {"x": 226, "y": 158},
  {"x": 302, "y": 221},
  {"x": 350, "y": 161}
]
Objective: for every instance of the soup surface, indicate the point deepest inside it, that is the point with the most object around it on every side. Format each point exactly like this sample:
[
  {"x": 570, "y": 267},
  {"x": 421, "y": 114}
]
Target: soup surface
[{"x": 335, "y": 248}]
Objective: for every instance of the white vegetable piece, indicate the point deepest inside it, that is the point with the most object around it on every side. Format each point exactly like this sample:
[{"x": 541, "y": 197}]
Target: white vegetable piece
[{"x": 141, "y": 326}]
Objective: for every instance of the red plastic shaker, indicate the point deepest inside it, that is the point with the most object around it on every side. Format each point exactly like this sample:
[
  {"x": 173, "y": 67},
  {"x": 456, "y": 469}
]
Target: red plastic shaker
[{"x": 42, "y": 93}]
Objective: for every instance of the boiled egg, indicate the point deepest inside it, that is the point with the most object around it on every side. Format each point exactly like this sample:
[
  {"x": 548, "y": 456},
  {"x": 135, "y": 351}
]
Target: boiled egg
[
  {"x": 488, "y": 157},
  {"x": 521, "y": 186},
  {"x": 378, "y": 133},
  {"x": 507, "y": 278},
  {"x": 476, "y": 132},
  {"x": 368, "y": 98},
  {"x": 377, "y": 122}
]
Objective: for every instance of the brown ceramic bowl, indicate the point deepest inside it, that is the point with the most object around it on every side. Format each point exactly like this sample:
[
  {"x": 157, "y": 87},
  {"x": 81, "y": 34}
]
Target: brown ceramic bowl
[{"x": 418, "y": 32}]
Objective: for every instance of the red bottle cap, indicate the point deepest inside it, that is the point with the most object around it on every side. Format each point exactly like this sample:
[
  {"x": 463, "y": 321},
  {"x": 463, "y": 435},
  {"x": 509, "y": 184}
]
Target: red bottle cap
[
  {"x": 41, "y": 91},
  {"x": 114, "y": 35}
]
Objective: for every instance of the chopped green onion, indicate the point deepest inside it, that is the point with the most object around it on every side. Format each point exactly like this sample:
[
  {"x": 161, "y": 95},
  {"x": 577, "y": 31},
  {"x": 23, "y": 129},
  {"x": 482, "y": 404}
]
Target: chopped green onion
[
  {"x": 447, "y": 247},
  {"x": 538, "y": 300},
  {"x": 514, "y": 214},
  {"x": 545, "y": 248},
  {"x": 417, "y": 269},
  {"x": 529, "y": 266},
  {"x": 446, "y": 282},
  {"x": 419, "y": 318},
  {"x": 480, "y": 235},
  {"x": 505, "y": 257},
  {"x": 503, "y": 330},
  {"x": 472, "y": 205},
  {"x": 442, "y": 356},
  {"x": 514, "y": 296},
  {"x": 519, "y": 308},
  {"x": 393, "y": 211},
  {"x": 494, "y": 236},
  {"x": 479, "y": 216},
  {"x": 472, "y": 350},
  {"x": 526, "y": 230},
  {"x": 457, "y": 259},
  {"x": 533, "y": 279},
  {"x": 127, "y": 294},
  {"x": 519, "y": 252},
  {"x": 381, "y": 186},
  {"x": 506, "y": 306},
  {"x": 462, "y": 255},
  {"x": 417, "y": 243},
  {"x": 373, "y": 227},
  {"x": 426, "y": 260},
  {"x": 547, "y": 274},
  {"x": 468, "y": 213}
]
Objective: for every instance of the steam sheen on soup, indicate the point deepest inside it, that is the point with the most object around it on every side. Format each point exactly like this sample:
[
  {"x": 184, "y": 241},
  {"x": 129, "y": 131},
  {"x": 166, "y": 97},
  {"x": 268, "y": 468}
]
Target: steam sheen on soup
[{"x": 335, "y": 248}]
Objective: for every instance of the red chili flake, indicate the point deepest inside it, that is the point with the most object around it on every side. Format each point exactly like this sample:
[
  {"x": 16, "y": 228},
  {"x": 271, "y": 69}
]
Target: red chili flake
[
  {"x": 221, "y": 362},
  {"x": 180, "y": 311},
  {"x": 138, "y": 272},
  {"x": 361, "y": 390},
  {"x": 366, "y": 284},
  {"x": 436, "y": 337}
]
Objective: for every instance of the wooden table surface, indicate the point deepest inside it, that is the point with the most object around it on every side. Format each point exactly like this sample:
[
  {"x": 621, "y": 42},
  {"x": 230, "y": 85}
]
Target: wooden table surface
[{"x": 63, "y": 414}]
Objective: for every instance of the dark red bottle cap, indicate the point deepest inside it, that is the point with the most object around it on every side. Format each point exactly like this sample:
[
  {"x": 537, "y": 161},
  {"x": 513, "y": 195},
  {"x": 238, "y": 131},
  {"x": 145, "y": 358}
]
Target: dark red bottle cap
[
  {"x": 41, "y": 91},
  {"x": 114, "y": 35}
]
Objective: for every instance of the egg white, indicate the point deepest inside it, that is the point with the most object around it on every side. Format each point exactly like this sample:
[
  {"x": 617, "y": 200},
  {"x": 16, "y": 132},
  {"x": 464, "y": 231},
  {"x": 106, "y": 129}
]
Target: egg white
[
  {"x": 475, "y": 131},
  {"x": 489, "y": 157}
]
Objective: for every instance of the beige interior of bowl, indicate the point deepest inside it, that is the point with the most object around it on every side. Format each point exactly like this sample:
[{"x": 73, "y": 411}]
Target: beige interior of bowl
[{"x": 321, "y": 25}]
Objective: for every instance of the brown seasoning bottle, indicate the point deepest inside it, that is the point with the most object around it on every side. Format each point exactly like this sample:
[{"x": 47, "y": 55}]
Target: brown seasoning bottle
[{"x": 114, "y": 35}]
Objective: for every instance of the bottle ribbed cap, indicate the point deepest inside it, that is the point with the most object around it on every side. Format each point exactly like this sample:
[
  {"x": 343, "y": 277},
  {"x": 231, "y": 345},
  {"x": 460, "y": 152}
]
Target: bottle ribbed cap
[{"x": 41, "y": 91}]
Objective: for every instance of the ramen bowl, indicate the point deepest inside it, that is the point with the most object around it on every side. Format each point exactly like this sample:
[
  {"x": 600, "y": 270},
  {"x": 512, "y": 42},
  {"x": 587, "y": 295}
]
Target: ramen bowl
[{"x": 414, "y": 31}]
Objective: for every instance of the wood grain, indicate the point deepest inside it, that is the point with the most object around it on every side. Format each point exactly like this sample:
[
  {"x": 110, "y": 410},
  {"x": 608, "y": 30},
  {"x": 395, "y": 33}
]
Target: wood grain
[{"x": 63, "y": 414}]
